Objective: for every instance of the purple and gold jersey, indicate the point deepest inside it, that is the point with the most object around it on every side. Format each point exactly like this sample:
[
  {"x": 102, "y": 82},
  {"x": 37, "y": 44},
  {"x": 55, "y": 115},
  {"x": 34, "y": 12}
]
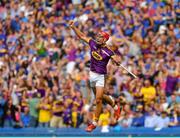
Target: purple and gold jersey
[{"x": 99, "y": 57}]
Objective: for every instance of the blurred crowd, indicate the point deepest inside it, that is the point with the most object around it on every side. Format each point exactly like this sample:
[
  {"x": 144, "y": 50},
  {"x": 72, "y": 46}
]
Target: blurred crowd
[{"x": 44, "y": 66}]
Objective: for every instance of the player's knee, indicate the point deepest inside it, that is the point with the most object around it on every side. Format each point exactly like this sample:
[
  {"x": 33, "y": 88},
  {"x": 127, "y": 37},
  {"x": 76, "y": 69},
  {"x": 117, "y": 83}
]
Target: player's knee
[{"x": 98, "y": 100}]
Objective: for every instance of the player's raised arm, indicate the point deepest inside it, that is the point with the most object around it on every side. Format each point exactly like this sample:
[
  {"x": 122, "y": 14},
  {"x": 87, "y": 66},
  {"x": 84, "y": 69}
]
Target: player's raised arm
[{"x": 80, "y": 34}]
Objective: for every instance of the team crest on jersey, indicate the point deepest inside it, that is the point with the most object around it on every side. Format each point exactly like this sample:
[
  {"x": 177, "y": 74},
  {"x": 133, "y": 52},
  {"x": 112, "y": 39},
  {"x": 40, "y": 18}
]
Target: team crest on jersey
[{"x": 96, "y": 55}]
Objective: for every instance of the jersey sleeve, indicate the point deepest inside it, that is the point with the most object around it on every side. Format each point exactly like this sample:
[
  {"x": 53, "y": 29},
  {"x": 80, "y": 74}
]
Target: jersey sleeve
[{"x": 92, "y": 44}]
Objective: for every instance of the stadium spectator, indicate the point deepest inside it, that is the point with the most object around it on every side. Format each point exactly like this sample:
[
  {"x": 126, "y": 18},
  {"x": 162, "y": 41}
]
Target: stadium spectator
[
  {"x": 25, "y": 118},
  {"x": 138, "y": 119},
  {"x": 33, "y": 103},
  {"x": 125, "y": 120},
  {"x": 57, "y": 111},
  {"x": 148, "y": 91},
  {"x": 104, "y": 120},
  {"x": 9, "y": 114},
  {"x": 174, "y": 116},
  {"x": 163, "y": 120},
  {"x": 151, "y": 119},
  {"x": 44, "y": 112}
]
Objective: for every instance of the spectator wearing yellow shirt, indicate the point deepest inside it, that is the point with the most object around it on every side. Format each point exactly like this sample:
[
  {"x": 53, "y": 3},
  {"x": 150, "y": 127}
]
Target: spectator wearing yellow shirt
[
  {"x": 44, "y": 112},
  {"x": 57, "y": 110},
  {"x": 148, "y": 91},
  {"x": 104, "y": 120},
  {"x": 76, "y": 116}
]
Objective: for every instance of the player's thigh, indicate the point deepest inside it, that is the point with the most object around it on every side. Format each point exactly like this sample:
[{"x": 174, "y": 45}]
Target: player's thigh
[{"x": 99, "y": 92}]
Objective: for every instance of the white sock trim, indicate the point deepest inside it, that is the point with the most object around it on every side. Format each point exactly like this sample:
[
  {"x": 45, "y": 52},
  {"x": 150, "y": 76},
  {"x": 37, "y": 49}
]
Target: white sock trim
[
  {"x": 115, "y": 107},
  {"x": 94, "y": 123}
]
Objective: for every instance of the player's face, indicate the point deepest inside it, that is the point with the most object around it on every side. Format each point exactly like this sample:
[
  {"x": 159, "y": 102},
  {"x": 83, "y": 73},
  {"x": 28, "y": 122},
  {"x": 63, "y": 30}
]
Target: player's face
[{"x": 100, "y": 39}]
